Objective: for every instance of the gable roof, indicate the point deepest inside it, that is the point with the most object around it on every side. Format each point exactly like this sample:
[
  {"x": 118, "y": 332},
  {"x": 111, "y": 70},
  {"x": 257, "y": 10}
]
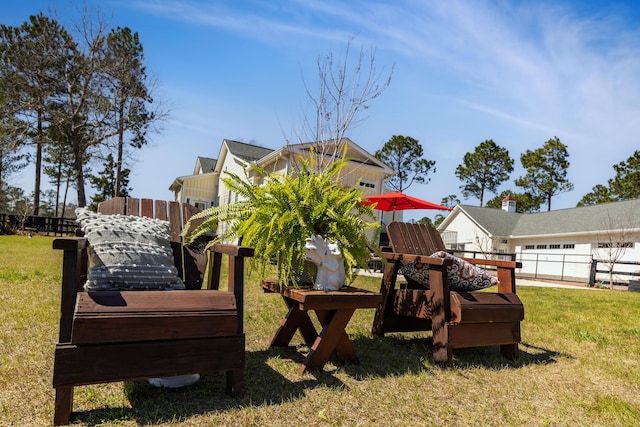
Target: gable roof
[
  {"x": 495, "y": 221},
  {"x": 355, "y": 153},
  {"x": 206, "y": 164},
  {"x": 246, "y": 152},
  {"x": 584, "y": 219}
]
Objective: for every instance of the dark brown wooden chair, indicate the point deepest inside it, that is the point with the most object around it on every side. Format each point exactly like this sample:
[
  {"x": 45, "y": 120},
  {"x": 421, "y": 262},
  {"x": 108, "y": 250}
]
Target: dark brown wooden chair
[
  {"x": 457, "y": 319},
  {"x": 108, "y": 336}
]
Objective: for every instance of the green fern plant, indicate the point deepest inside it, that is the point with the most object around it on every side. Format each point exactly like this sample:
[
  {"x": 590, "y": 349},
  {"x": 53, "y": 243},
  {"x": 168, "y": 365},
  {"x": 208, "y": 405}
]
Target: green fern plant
[{"x": 276, "y": 217}]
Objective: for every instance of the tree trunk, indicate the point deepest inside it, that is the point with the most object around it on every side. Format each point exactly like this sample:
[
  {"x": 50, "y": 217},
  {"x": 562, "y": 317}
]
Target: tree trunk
[
  {"x": 58, "y": 183},
  {"x": 36, "y": 190},
  {"x": 78, "y": 171},
  {"x": 120, "y": 151}
]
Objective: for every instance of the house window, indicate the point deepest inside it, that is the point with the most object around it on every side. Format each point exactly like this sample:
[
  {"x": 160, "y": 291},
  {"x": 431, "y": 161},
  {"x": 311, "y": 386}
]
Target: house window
[
  {"x": 450, "y": 238},
  {"x": 541, "y": 246},
  {"x": 568, "y": 246},
  {"x": 200, "y": 205},
  {"x": 367, "y": 184},
  {"x": 529, "y": 246},
  {"x": 617, "y": 245}
]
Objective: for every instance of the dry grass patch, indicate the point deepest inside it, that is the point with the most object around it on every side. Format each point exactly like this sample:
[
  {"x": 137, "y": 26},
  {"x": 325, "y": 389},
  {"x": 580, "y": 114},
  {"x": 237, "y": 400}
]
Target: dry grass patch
[{"x": 579, "y": 365}]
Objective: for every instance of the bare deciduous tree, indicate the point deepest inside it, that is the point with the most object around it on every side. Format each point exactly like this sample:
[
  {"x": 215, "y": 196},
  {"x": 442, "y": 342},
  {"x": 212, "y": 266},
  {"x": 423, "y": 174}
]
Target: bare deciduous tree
[
  {"x": 615, "y": 239},
  {"x": 346, "y": 87}
]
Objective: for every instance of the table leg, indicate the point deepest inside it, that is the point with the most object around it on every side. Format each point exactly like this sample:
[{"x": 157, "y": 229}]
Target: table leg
[
  {"x": 294, "y": 320},
  {"x": 333, "y": 332},
  {"x": 344, "y": 351}
]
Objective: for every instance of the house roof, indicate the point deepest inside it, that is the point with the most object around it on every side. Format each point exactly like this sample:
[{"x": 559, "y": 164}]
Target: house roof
[
  {"x": 206, "y": 164},
  {"x": 585, "y": 219},
  {"x": 495, "y": 221},
  {"x": 355, "y": 153},
  {"x": 249, "y": 153},
  {"x": 246, "y": 152}
]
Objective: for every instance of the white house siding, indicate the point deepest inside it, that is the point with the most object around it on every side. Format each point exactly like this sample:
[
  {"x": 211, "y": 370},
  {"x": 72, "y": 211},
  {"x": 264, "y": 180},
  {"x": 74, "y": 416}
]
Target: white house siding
[
  {"x": 466, "y": 236},
  {"x": 225, "y": 195},
  {"x": 234, "y": 166},
  {"x": 571, "y": 260},
  {"x": 554, "y": 257},
  {"x": 199, "y": 190}
]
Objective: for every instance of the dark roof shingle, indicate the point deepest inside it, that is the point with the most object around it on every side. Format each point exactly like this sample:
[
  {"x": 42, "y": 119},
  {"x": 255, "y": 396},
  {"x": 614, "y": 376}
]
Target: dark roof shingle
[
  {"x": 247, "y": 152},
  {"x": 585, "y": 219}
]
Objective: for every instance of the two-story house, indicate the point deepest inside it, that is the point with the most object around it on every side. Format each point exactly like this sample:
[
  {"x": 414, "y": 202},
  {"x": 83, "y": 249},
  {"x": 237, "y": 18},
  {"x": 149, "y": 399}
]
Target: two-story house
[{"x": 204, "y": 188}]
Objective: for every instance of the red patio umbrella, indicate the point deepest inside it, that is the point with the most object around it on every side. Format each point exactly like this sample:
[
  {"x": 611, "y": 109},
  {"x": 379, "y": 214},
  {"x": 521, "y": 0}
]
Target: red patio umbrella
[{"x": 397, "y": 201}]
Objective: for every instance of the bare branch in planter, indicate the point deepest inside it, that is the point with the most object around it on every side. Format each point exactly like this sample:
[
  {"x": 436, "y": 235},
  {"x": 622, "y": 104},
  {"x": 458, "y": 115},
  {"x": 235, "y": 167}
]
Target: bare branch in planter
[{"x": 346, "y": 88}]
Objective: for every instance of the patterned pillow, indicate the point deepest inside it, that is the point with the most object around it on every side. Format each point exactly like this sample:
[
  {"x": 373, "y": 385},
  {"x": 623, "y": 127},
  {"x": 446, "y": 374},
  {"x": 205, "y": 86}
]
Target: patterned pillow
[
  {"x": 461, "y": 275},
  {"x": 128, "y": 252}
]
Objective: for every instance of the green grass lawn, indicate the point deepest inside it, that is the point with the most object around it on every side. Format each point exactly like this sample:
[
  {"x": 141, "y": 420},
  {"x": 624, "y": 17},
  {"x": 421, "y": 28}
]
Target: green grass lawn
[{"x": 579, "y": 365}]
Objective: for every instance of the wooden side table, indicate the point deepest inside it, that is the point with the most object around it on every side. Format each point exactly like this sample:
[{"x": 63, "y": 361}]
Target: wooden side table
[{"x": 333, "y": 309}]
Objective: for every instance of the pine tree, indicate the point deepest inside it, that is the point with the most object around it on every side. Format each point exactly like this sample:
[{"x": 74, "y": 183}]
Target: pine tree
[
  {"x": 404, "y": 155},
  {"x": 546, "y": 171},
  {"x": 484, "y": 169}
]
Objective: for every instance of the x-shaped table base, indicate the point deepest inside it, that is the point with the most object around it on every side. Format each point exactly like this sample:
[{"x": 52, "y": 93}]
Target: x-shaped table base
[{"x": 333, "y": 309}]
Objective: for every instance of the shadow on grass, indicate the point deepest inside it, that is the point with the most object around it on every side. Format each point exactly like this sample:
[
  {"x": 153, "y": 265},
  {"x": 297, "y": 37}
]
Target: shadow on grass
[
  {"x": 265, "y": 385},
  {"x": 395, "y": 355}
]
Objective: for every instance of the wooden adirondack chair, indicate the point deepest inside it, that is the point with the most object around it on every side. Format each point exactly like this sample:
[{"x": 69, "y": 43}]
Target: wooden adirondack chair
[
  {"x": 108, "y": 336},
  {"x": 457, "y": 319}
]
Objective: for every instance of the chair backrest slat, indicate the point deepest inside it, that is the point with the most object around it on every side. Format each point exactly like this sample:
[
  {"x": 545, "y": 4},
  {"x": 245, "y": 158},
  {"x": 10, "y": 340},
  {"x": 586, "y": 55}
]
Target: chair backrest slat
[
  {"x": 418, "y": 239},
  {"x": 175, "y": 222},
  {"x": 161, "y": 210},
  {"x": 146, "y": 208},
  {"x": 115, "y": 206},
  {"x": 132, "y": 206}
]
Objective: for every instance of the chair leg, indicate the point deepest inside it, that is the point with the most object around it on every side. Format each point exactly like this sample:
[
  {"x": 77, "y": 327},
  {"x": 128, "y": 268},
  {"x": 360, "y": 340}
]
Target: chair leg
[
  {"x": 442, "y": 352},
  {"x": 63, "y": 405},
  {"x": 510, "y": 351},
  {"x": 235, "y": 381}
]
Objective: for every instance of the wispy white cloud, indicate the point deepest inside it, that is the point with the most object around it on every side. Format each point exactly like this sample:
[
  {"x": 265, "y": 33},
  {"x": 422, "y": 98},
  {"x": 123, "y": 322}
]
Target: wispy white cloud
[
  {"x": 262, "y": 23},
  {"x": 545, "y": 59},
  {"x": 547, "y": 68}
]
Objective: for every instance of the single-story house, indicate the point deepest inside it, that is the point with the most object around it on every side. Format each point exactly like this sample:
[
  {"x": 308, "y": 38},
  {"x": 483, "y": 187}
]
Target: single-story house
[{"x": 558, "y": 244}]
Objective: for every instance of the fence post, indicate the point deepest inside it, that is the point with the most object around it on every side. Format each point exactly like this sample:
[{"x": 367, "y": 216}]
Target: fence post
[{"x": 592, "y": 274}]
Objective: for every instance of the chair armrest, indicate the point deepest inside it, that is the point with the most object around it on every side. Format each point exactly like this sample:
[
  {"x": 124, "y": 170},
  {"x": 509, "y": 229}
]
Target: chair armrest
[
  {"x": 405, "y": 258},
  {"x": 505, "y": 271},
  {"x": 494, "y": 262},
  {"x": 70, "y": 243},
  {"x": 74, "y": 270},
  {"x": 233, "y": 250}
]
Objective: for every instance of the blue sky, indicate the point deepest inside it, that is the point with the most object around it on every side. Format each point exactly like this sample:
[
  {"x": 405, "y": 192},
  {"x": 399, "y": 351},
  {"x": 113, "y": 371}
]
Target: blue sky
[{"x": 518, "y": 72}]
